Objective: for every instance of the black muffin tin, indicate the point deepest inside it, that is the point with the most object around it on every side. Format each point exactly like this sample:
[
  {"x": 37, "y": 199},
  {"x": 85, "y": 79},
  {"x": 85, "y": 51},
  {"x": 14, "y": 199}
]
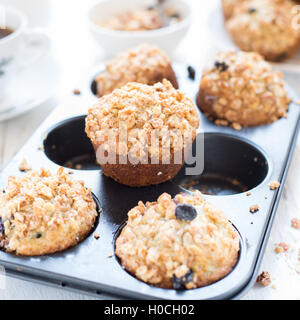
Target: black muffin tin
[{"x": 235, "y": 162}]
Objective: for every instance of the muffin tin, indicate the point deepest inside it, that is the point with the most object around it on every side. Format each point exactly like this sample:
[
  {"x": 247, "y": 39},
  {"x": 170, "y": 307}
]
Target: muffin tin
[{"x": 235, "y": 162}]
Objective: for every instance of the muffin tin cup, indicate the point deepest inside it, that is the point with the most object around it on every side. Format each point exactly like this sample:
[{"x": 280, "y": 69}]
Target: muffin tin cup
[{"x": 235, "y": 162}]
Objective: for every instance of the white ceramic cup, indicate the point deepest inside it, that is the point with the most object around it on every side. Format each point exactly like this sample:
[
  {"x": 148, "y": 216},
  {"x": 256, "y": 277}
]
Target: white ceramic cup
[
  {"x": 38, "y": 12},
  {"x": 20, "y": 48}
]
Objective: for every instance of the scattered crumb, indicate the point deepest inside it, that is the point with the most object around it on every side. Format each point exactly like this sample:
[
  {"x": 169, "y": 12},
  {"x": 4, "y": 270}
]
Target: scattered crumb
[
  {"x": 273, "y": 286},
  {"x": 281, "y": 247},
  {"x": 297, "y": 268},
  {"x": 219, "y": 122},
  {"x": 76, "y": 92},
  {"x": 254, "y": 208},
  {"x": 264, "y": 279},
  {"x": 159, "y": 173},
  {"x": 266, "y": 197},
  {"x": 236, "y": 126},
  {"x": 96, "y": 236},
  {"x": 248, "y": 194},
  {"x": 295, "y": 222},
  {"x": 24, "y": 166},
  {"x": 78, "y": 166},
  {"x": 41, "y": 148},
  {"x": 110, "y": 255},
  {"x": 274, "y": 185},
  {"x": 71, "y": 172}
]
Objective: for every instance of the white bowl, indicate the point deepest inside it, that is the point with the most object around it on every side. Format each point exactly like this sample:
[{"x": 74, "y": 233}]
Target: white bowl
[{"x": 112, "y": 41}]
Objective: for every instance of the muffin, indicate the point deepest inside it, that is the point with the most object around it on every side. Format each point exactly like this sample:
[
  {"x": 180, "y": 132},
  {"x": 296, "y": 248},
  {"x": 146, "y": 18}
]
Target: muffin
[
  {"x": 229, "y": 6},
  {"x": 179, "y": 243},
  {"x": 242, "y": 90},
  {"x": 42, "y": 213},
  {"x": 144, "y": 130},
  {"x": 265, "y": 26},
  {"x": 144, "y": 64},
  {"x": 139, "y": 20}
]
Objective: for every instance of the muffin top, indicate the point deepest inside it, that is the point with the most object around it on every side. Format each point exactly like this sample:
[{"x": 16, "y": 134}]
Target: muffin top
[
  {"x": 265, "y": 26},
  {"x": 138, "y": 110},
  {"x": 229, "y": 6},
  {"x": 139, "y": 20},
  {"x": 244, "y": 89},
  {"x": 42, "y": 213},
  {"x": 144, "y": 64},
  {"x": 180, "y": 243}
]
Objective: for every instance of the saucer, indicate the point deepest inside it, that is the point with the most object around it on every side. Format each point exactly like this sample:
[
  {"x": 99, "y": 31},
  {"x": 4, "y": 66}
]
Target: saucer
[{"x": 31, "y": 87}]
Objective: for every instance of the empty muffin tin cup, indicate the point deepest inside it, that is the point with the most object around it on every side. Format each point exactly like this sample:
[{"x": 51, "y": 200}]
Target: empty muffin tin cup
[
  {"x": 232, "y": 165},
  {"x": 67, "y": 145}
]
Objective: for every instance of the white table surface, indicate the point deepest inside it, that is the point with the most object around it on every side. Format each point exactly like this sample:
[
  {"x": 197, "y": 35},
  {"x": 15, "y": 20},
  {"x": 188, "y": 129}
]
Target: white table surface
[{"x": 76, "y": 52}]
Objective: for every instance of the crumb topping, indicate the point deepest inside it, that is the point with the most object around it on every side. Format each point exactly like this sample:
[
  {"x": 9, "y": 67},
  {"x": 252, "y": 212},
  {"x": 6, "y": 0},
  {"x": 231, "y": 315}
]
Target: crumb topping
[
  {"x": 43, "y": 212},
  {"x": 142, "y": 109},
  {"x": 264, "y": 26},
  {"x": 247, "y": 92},
  {"x": 144, "y": 64},
  {"x": 156, "y": 246}
]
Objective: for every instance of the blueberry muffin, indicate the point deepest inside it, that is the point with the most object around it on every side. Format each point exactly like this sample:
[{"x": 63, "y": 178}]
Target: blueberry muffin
[
  {"x": 42, "y": 213},
  {"x": 229, "y": 6},
  {"x": 140, "y": 133},
  {"x": 179, "y": 243},
  {"x": 139, "y": 20},
  {"x": 242, "y": 90},
  {"x": 144, "y": 64},
  {"x": 265, "y": 26}
]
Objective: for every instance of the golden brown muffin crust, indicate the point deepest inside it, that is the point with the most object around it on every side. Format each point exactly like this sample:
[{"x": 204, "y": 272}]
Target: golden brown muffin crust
[
  {"x": 144, "y": 64},
  {"x": 265, "y": 26},
  {"x": 155, "y": 245},
  {"x": 43, "y": 213},
  {"x": 241, "y": 89},
  {"x": 143, "y": 109}
]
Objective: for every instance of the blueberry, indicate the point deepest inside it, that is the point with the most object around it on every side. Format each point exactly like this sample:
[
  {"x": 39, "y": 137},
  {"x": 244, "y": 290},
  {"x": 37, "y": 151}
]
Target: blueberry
[
  {"x": 1, "y": 226},
  {"x": 38, "y": 235},
  {"x": 185, "y": 212},
  {"x": 252, "y": 10},
  {"x": 192, "y": 72},
  {"x": 221, "y": 66},
  {"x": 175, "y": 16},
  {"x": 179, "y": 283}
]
